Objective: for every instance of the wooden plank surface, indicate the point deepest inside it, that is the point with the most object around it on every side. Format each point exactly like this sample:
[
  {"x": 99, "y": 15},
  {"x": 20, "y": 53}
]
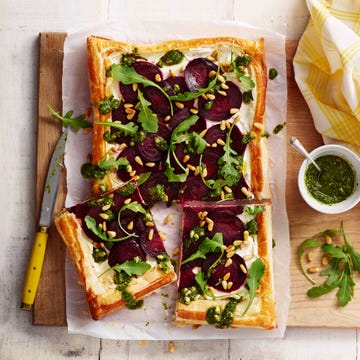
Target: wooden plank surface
[
  {"x": 49, "y": 306},
  {"x": 50, "y": 309},
  {"x": 305, "y": 222}
]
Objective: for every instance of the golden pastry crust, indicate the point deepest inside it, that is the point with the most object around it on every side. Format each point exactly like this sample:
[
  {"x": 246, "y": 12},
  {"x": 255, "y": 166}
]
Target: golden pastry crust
[
  {"x": 101, "y": 54},
  {"x": 101, "y": 293},
  {"x": 262, "y": 312}
]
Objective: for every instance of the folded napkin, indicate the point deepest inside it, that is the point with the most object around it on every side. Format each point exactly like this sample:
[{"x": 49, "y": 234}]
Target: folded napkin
[{"x": 327, "y": 69}]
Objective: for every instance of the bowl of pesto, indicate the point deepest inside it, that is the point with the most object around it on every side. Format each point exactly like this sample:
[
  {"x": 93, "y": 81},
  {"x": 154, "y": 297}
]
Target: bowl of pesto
[{"x": 336, "y": 188}]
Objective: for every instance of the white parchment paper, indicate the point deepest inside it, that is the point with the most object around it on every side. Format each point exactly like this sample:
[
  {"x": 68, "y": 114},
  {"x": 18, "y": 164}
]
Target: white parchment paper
[{"x": 154, "y": 321}]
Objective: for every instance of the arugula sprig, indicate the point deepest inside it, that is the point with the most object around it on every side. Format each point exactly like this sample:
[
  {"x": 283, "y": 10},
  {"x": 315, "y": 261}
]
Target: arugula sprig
[
  {"x": 128, "y": 129},
  {"x": 208, "y": 245},
  {"x": 135, "y": 207},
  {"x": 147, "y": 118},
  {"x": 132, "y": 267},
  {"x": 191, "y": 95},
  {"x": 256, "y": 271},
  {"x": 230, "y": 168},
  {"x": 127, "y": 75},
  {"x": 343, "y": 262},
  {"x": 91, "y": 224},
  {"x": 67, "y": 120},
  {"x": 230, "y": 163},
  {"x": 180, "y": 134}
]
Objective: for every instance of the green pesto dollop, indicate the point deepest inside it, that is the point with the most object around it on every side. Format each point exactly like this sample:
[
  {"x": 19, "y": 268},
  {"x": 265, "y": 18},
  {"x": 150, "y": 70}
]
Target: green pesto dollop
[
  {"x": 273, "y": 73},
  {"x": 163, "y": 261},
  {"x": 158, "y": 193},
  {"x": 108, "y": 104},
  {"x": 99, "y": 255},
  {"x": 122, "y": 279},
  {"x": 335, "y": 183},
  {"x": 222, "y": 319},
  {"x": 130, "y": 301},
  {"x": 127, "y": 189},
  {"x": 172, "y": 57},
  {"x": 90, "y": 171}
]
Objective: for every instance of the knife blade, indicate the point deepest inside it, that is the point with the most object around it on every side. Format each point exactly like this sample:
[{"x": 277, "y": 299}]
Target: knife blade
[{"x": 37, "y": 254}]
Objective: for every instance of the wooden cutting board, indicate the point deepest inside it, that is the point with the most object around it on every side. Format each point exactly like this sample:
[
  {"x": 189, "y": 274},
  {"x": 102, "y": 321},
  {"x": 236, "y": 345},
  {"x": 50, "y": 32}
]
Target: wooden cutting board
[{"x": 50, "y": 306}]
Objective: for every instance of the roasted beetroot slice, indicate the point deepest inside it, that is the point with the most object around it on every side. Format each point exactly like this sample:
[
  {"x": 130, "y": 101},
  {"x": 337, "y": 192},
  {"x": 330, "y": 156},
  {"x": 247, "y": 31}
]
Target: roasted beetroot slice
[
  {"x": 228, "y": 224},
  {"x": 125, "y": 250},
  {"x": 130, "y": 153},
  {"x": 148, "y": 150},
  {"x": 190, "y": 219},
  {"x": 176, "y": 85},
  {"x": 128, "y": 216},
  {"x": 120, "y": 114},
  {"x": 213, "y": 134},
  {"x": 181, "y": 153},
  {"x": 145, "y": 69},
  {"x": 187, "y": 275},
  {"x": 159, "y": 102},
  {"x": 151, "y": 244},
  {"x": 148, "y": 70},
  {"x": 236, "y": 143},
  {"x": 197, "y": 73},
  {"x": 237, "y": 277},
  {"x": 220, "y": 108},
  {"x": 193, "y": 189},
  {"x": 236, "y": 190},
  {"x": 129, "y": 93},
  {"x": 182, "y": 115},
  {"x": 210, "y": 160}
]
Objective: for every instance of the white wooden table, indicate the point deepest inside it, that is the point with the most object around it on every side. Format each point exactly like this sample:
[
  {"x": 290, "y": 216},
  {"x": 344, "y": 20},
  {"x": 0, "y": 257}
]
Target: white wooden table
[{"x": 21, "y": 22}]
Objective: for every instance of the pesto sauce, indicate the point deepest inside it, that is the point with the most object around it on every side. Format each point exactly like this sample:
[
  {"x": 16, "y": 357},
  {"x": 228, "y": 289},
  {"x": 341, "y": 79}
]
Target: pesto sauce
[
  {"x": 335, "y": 183},
  {"x": 222, "y": 319}
]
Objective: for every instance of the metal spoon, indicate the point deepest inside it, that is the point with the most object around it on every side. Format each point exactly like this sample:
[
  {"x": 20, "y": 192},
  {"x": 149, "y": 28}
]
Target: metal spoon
[{"x": 296, "y": 144}]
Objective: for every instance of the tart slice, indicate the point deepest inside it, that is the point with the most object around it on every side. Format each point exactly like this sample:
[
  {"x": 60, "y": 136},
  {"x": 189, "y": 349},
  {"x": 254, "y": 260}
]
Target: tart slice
[
  {"x": 225, "y": 277},
  {"x": 188, "y": 116},
  {"x": 117, "y": 250}
]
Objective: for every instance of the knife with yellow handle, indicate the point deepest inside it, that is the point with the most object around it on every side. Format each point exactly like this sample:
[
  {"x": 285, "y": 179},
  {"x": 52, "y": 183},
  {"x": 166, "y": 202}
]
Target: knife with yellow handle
[{"x": 37, "y": 255}]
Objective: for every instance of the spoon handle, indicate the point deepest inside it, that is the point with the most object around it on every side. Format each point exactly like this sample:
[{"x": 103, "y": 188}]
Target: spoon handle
[{"x": 296, "y": 144}]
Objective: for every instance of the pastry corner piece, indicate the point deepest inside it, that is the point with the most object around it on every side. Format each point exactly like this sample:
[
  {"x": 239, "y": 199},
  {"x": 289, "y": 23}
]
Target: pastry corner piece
[
  {"x": 226, "y": 277},
  {"x": 117, "y": 251}
]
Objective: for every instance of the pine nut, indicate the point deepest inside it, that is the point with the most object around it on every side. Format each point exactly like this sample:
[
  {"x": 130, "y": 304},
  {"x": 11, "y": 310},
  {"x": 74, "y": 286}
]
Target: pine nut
[
  {"x": 111, "y": 234},
  {"x": 328, "y": 239},
  {"x": 243, "y": 268},
  {"x": 138, "y": 160},
  {"x": 168, "y": 219},
  {"x": 226, "y": 276},
  {"x": 310, "y": 256},
  {"x": 106, "y": 207}
]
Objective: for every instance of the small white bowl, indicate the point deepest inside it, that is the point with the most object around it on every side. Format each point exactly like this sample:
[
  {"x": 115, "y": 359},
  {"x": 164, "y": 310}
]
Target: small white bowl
[{"x": 344, "y": 205}]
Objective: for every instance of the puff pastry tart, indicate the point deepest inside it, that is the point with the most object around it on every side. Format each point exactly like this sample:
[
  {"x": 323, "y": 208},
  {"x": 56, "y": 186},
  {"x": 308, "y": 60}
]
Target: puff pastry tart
[
  {"x": 118, "y": 253},
  {"x": 179, "y": 121},
  {"x": 225, "y": 276},
  {"x": 186, "y": 116}
]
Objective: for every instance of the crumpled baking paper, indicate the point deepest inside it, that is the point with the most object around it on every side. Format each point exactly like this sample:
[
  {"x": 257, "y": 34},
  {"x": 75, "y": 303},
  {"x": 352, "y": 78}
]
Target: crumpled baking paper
[{"x": 154, "y": 321}]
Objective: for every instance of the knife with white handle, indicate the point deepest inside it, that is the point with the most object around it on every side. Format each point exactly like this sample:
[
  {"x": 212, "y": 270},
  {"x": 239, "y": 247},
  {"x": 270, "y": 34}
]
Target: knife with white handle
[{"x": 36, "y": 261}]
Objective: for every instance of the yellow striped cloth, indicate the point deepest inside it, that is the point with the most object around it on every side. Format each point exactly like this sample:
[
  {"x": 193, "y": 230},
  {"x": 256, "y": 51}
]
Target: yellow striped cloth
[{"x": 327, "y": 69}]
